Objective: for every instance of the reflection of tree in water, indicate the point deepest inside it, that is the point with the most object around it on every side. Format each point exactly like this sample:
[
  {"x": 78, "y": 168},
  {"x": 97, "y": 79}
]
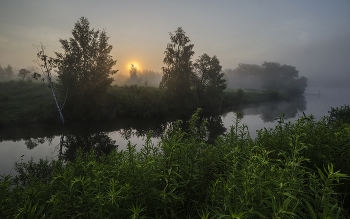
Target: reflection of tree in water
[
  {"x": 157, "y": 131},
  {"x": 270, "y": 111},
  {"x": 33, "y": 142},
  {"x": 100, "y": 141},
  {"x": 215, "y": 127}
]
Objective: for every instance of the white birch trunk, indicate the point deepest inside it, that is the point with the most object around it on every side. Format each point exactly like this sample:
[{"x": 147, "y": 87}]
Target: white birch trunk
[{"x": 54, "y": 97}]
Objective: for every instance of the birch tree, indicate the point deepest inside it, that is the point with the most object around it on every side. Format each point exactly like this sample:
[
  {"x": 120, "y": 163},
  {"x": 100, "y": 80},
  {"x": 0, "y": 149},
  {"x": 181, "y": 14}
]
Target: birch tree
[
  {"x": 46, "y": 66},
  {"x": 86, "y": 67}
]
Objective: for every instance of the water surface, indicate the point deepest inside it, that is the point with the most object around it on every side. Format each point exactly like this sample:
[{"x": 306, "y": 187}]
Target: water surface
[{"x": 43, "y": 141}]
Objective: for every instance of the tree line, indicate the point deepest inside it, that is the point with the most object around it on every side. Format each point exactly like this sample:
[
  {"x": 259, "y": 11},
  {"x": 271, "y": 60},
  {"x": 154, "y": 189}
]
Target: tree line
[
  {"x": 85, "y": 68},
  {"x": 269, "y": 76}
]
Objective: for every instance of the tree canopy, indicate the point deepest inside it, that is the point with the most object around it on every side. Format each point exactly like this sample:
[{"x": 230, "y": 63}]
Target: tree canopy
[
  {"x": 86, "y": 65},
  {"x": 209, "y": 80},
  {"x": 270, "y": 76},
  {"x": 23, "y": 73},
  {"x": 178, "y": 75},
  {"x": 187, "y": 81}
]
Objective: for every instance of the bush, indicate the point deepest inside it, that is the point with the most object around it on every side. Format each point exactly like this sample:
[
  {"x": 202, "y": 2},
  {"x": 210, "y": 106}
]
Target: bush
[
  {"x": 278, "y": 175},
  {"x": 339, "y": 115}
]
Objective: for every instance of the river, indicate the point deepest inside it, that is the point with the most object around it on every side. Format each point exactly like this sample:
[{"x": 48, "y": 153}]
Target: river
[{"x": 43, "y": 140}]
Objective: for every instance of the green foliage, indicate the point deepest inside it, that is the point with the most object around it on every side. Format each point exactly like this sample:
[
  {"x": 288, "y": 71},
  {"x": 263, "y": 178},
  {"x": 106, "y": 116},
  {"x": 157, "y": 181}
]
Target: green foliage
[
  {"x": 135, "y": 101},
  {"x": 22, "y": 102},
  {"x": 240, "y": 94},
  {"x": 85, "y": 67},
  {"x": 290, "y": 171},
  {"x": 209, "y": 82},
  {"x": 191, "y": 85},
  {"x": 339, "y": 115},
  {"x": 177, "y": 74}
]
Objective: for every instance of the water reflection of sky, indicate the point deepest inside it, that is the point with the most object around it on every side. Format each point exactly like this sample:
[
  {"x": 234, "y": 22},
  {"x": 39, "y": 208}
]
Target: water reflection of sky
[
  {"x": 254, "y": 122},
  {"x": 255, "y": 117},
  {"x": 262, "y": 116},
  {"x": 12, "y": 151},
  {"x": 122, "y": 142}
]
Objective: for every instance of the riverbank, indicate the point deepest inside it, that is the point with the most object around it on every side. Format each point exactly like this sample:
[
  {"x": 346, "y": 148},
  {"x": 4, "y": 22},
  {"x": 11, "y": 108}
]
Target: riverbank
[{"x": 24, "y": 102}]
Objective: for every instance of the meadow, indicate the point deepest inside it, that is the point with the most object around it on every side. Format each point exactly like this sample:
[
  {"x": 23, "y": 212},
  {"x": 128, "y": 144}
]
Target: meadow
[{"x": 23, "y": 102}]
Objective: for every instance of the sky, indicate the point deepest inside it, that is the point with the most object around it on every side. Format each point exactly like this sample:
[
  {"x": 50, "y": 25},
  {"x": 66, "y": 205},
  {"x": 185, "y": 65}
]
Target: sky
[{"x": 313, "y": 36}]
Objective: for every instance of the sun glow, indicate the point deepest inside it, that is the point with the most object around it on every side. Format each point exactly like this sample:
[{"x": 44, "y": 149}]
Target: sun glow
[{"x": 136, "y": 65}]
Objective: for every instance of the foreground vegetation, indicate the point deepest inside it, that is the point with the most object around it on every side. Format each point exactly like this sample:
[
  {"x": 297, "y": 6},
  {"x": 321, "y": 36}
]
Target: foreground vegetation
[{"x": 290, "y": 171}]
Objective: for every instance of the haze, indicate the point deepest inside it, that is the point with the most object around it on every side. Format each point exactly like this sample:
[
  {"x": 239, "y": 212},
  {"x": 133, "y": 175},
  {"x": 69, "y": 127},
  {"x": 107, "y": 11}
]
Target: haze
[{"x": 313, "y": 36}]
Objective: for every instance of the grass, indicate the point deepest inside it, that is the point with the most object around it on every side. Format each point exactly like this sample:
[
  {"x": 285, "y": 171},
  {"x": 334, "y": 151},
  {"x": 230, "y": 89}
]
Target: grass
[
  {"x": 24, "y": 102},
  {"x": 29, "y": 102},
  {"x": 290, "y": 171}
]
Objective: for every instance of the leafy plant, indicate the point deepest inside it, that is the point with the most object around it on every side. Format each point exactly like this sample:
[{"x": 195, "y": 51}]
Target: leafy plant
[{"x": 290, "y": 171}]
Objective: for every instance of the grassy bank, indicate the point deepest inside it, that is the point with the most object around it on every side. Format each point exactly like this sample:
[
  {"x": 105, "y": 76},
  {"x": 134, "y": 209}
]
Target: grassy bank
[
  {"x": 290, "y": 171},
  {"x": 29, "y": 102},
  {"x": 24, "y": 102}
]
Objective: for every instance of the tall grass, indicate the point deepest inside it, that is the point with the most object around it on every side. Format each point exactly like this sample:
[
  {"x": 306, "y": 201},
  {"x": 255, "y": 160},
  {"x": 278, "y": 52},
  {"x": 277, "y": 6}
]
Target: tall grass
[{"x": 287, "y": 172}]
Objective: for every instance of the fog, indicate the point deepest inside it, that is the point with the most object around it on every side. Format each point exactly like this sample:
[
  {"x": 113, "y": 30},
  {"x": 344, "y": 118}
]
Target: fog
[
  {"x": 313, "y": 37},
  {"x": 325, "y": 62},
  {"x": 144, "y": 78}
]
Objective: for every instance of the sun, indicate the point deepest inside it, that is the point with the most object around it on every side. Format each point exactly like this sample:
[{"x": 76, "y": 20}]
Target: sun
[{"x": 136, "y": 65}]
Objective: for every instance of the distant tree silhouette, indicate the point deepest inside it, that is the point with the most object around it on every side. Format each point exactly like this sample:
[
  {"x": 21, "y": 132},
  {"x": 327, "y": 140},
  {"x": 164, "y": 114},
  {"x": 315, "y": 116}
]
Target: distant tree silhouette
[
  {"x": 133, "y": 75},
  {"x": 23, "y": 73},
  {"x": 270, "y": 76},
  {"x": 6, "y": 73}
]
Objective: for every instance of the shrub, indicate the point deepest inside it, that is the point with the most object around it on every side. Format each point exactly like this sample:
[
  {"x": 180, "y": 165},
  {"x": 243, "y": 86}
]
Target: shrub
[
  {"x": 339, "y": 115},
  {"x": 274, "y": 176}
]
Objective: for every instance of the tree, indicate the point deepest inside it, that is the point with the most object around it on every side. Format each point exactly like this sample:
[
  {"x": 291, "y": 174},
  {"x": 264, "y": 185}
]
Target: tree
[
  {"x": 23, "y": 73},
  {"x": 6, "y": 73},
  {"x": 283, "y": 78},
  {"x": 178, "y": 75},
  {"x": 86, "y": 64},
  {"x": 270, "y": 76},
  {"x": 47, "y": 65},
  {"x": 133, "y": 75},
  {"x": 210, "y": 82},
  {"x": 245, "y": 76}
]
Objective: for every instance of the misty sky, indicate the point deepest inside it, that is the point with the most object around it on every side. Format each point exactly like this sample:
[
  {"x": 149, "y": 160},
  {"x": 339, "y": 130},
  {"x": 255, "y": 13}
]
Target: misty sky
[{"x": 313, "y": 36}]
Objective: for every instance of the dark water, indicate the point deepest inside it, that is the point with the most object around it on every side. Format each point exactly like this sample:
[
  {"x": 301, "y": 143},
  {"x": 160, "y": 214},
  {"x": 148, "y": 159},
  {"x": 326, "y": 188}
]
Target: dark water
[{"x": 43, "y": 141}]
